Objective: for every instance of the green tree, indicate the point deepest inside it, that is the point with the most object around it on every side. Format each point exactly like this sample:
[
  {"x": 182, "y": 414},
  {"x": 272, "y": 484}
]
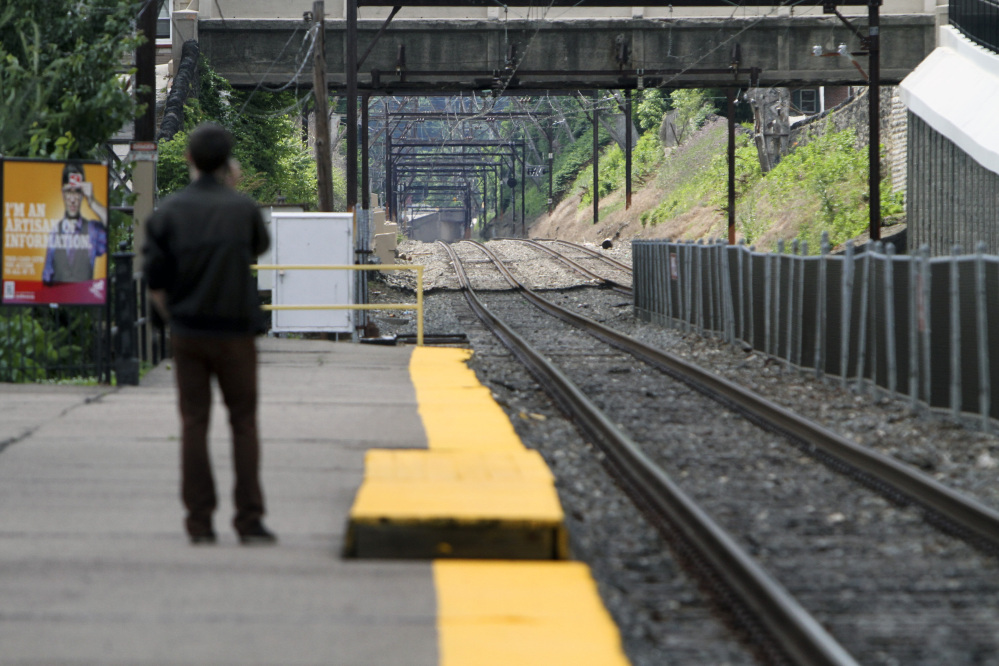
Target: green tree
[
  {"x": 63, "y": 90},
  {"x": 651, "y": 109},
  {"x": 275, "y": 161},
  {"x": 692, "y": 106}
]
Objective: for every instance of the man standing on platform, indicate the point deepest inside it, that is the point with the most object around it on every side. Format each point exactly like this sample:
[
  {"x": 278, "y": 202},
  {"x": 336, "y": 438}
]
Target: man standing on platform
[{"x": 199, "y": 246}]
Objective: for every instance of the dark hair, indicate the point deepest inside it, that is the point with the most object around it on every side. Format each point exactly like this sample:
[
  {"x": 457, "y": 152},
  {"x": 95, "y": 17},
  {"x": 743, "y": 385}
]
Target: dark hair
[
  {"x": 72, "y": 167},
  {"x": 210, "y": 146}
]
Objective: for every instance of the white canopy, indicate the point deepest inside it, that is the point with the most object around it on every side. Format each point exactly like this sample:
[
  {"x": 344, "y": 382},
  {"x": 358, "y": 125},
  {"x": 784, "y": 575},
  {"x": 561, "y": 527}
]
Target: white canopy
[{"x": 955, "y": 90}]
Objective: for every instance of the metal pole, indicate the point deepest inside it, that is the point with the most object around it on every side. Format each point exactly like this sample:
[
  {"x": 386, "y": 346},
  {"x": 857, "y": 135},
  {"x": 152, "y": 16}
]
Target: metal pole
[
  {"x": 596, "y": 160},
  {"x": 874, "y": 108},
  {"x": 982, "y": 334},
  {"x": 823, "y": 299},
  {"x": 126, "y": 364},
  {"x": 389, "y": 185},
  {"x": 365, "y": 180},
  {"x": 847, "y": 311},
  {"x": 865, "y": 289},
  {"x": 955, "y": 334},
  {"x": 890, "y": 342},
  {"x": 324, "y": 164},
  {"x": 730, "y": 94},
  {"x": 627, "y": 149},
  {"x": 551, "y": 157},
  {"x": 523, "y": 188},
  {"x": 350, "y": 64},
  {"x": 145, "y": 73}
]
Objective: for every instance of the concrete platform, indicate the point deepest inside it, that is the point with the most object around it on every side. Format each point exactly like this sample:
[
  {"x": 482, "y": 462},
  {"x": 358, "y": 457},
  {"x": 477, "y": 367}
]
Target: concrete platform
[{"x": 95, "y": 567}]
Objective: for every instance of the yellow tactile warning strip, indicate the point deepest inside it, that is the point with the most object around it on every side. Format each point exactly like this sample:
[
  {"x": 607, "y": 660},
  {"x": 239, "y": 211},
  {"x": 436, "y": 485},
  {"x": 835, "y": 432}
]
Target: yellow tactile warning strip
[
  {"x": 457, "y": 411},
  {"x": 502, "y": 613}
]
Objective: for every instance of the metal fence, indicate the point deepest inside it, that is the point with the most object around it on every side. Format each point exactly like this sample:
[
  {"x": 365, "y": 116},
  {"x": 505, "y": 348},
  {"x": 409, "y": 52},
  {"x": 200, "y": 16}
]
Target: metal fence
[
  {"x": 42, "y": 343},
  {"x": 978, "y": 20},
  {"x": 914, "y": 325}
]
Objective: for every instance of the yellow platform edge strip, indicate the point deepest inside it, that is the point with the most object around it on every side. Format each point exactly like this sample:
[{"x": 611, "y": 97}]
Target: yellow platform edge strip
[
  {"x": 498, "y": 613},
  {"x": 456, "y": 410}
]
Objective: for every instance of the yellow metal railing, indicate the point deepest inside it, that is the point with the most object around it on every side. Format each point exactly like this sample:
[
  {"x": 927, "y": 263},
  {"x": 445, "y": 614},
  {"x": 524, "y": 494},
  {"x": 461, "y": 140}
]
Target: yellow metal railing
[{"x": 366, "y": 306}]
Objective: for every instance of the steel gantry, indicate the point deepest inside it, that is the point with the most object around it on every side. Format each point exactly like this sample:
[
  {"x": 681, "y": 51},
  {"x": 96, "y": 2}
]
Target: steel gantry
[
  {"x": 622, "y": 77},
  {"x": 472, "y": 156}
]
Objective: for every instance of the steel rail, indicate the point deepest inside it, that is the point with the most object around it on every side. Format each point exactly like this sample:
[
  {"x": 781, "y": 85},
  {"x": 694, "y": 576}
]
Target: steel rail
[
  {"x": 799, "y": 636},
  {"x": 593, "y": 253},
  {"x": 966, "y": 516},
  {"x": 605, "y": 282}
]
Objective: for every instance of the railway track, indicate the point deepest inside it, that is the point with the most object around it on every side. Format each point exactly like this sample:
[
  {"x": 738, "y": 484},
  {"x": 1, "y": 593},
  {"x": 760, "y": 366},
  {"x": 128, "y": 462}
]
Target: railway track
[
  {"x": 616, "y": 266},
  {"x": 790, "y": 630}
]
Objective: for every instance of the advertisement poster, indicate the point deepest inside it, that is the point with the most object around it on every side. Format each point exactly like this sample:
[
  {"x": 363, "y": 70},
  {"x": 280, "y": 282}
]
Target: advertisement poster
[{"x": 55, "y": 233}]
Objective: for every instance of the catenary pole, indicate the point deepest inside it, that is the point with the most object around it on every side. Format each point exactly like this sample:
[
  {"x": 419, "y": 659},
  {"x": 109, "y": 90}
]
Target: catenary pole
[{"x": 324, "y": 161}]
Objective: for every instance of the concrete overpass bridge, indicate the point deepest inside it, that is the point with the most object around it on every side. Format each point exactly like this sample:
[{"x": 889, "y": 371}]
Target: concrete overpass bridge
[{"x": 431, "y": 49}]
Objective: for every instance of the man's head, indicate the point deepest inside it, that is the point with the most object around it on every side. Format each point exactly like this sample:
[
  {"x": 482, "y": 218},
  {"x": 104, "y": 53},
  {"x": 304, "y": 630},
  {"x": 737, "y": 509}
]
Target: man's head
[
  {"x": 73, "y": 188},
  {"x": 209, "y": 147}
]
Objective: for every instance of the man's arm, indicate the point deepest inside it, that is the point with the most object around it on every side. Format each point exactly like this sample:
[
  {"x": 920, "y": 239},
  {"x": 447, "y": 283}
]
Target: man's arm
[
  {"x": 99, "y": 210},
  {"x": 159, "y": 301}
]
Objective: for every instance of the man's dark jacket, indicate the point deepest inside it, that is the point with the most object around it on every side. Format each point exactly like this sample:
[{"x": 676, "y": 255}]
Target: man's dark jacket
[{"x": 199, "y": 246}]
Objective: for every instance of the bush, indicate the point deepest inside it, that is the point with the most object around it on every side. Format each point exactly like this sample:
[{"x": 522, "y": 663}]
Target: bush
[{"x": 275, "y": 162}]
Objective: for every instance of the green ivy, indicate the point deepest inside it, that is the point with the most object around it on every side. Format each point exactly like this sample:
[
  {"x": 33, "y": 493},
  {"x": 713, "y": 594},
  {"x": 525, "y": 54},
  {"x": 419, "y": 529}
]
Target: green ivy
[{"x": 275, "y": 161}]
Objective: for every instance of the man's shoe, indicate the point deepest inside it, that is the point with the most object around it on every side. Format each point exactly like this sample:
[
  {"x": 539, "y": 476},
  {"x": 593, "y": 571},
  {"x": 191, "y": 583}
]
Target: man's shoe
[
  {"x": 257, "y": 534},
  {"x": 206, "y": 539}
]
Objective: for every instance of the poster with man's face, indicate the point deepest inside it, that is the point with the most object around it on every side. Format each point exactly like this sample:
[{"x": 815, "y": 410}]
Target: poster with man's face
[{"x": 55, "y": 232}]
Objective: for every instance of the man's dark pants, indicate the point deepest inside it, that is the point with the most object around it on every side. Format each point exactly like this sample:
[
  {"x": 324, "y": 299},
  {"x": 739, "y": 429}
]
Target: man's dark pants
[{"x": 233, "y": 361}]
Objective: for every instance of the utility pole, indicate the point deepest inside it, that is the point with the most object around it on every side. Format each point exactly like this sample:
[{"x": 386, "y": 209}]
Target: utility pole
[
  {"x": 365, "y": 182},
  {"x": 730, "y": 95},
  {"x": 324, "y": 161},
  {"x": 627, "y": 149},
  {"x": 596, "y": 158},
  {"x": 145, "y": 72},
  {"x": 874, "y": 107},
  {"x": 350, "y": 64}
]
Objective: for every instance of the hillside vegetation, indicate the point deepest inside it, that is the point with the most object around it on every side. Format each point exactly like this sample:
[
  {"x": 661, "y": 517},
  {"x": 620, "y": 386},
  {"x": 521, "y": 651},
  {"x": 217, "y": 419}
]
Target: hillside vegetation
[{"x": 680, "y": 193}]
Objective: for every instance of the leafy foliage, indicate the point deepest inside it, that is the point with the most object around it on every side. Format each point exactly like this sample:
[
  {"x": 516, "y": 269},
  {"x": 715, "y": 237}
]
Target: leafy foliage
[
  {"x": 692, "y": 106},
  {"x": 699, "y": 177},
  {"x": 650, "y": 109},
  {"x": 276, "y": 163},
  {"x": 39, "y": 346},
  {"x": 60, "y": 90},
  {"x": 828, "y": 170}
]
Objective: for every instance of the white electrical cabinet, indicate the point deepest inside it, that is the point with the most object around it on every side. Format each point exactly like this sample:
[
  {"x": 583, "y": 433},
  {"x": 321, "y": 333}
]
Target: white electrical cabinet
[
  {"x": 265, "y": 279},
  {"x": 313, "y": 239}
]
